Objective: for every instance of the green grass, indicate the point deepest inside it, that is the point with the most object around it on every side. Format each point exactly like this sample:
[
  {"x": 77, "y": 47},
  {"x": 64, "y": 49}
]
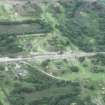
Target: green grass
[
  {"x": 79, "y": 76},
  {"x": 3, "y": 98}
]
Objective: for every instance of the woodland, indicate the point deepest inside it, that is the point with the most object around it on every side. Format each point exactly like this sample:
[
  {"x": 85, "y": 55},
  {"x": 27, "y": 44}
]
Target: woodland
[{"x": 52, "y": 52}]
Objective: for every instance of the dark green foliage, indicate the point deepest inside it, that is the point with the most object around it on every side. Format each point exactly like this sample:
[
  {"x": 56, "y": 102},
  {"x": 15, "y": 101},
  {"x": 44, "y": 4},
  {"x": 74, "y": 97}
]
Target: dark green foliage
[
  {"x": 8, "y": 43},
  {"x": 71, "y": 25},
  {"x": 40, "y": 83},
  {"x": 80, "y": 26},
  {"x": 74, "y": 69}
]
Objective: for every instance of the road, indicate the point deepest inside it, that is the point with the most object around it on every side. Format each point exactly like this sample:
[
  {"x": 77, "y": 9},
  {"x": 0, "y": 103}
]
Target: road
[
  {"x": 51, "y": 56},
  {"x": 22, "y": 2},
  {"x": 19, "y": 2}
]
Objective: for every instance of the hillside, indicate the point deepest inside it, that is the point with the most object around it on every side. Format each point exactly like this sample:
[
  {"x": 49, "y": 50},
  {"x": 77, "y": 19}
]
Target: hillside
[{"x": 52, "y": 52}]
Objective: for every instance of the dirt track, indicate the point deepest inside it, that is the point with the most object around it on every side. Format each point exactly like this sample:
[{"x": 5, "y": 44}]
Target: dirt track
[{"x": 47, "y": 56}]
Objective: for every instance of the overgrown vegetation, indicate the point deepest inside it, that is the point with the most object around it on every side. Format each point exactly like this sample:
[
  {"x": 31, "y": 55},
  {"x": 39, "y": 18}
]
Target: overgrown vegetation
[{"x": 59, "y": 26}]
